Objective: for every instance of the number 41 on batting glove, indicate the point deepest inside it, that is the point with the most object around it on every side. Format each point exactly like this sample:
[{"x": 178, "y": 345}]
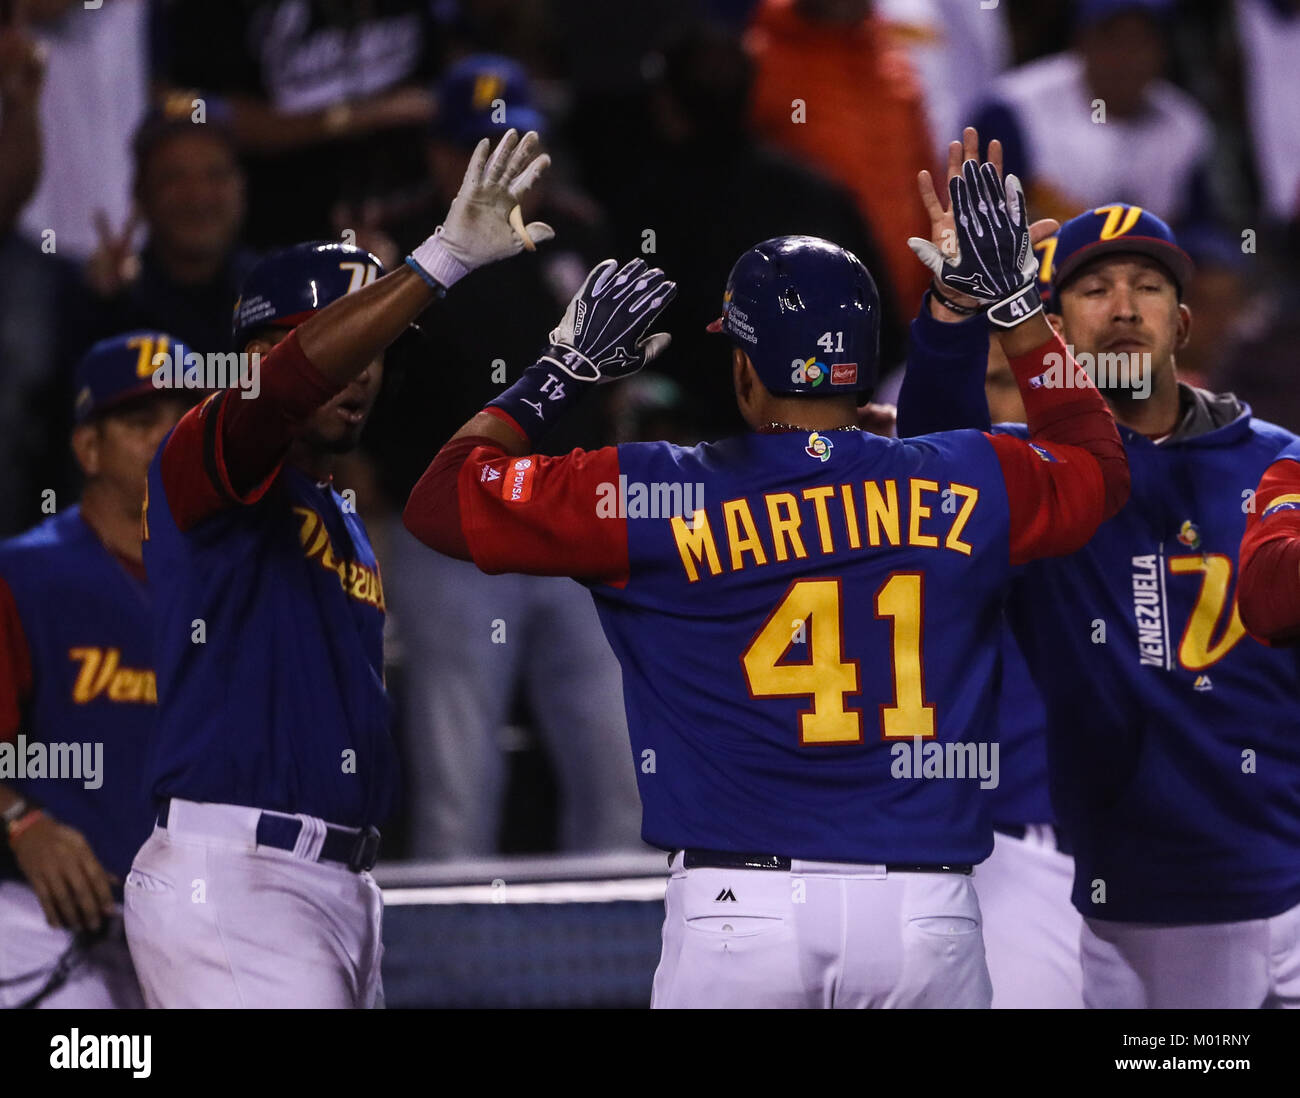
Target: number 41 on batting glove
[{"x": 992, "y": 260}]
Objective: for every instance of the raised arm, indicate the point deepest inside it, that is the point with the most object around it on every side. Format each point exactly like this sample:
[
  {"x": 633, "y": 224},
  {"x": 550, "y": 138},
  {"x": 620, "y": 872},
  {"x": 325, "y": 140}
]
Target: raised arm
[
  {"x": 228, "y": 450},
  {"x": 1072, "y": 474},
  {"x": 943, "y": 386},
  {"x": 485, "y": 498}
]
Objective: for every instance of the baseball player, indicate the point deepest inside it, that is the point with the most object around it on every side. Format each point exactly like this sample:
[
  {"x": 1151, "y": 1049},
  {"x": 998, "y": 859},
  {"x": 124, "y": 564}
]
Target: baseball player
[
  {"x": 273, "y": 763},
  {"x": 77, "y": 700},
  {"x": 816, "y": 622},
  {"x": 1268, "y": 594},
  {"x": 1173, "y": 754}
]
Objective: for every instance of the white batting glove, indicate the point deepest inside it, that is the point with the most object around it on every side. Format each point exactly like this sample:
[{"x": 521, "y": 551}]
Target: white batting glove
[{"x": 483, "y": 224}]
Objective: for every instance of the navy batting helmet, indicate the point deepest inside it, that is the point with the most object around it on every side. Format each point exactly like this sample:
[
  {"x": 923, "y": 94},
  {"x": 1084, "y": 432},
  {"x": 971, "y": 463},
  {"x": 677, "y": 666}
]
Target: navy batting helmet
[
  {"x": 807, "y": 313},
  {"x": 286, "y": 287}
]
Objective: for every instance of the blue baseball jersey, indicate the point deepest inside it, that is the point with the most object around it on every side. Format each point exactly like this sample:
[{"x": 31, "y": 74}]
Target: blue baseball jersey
[
  {"x": 1173, "y": 739},
  {"x": 1021, "y": 796},
  {"x": 780, "y": 653},
  {"x": 808, "y": 624},
  {"x": 84, "y": 702},
  {"x": 268, "y": 640}
]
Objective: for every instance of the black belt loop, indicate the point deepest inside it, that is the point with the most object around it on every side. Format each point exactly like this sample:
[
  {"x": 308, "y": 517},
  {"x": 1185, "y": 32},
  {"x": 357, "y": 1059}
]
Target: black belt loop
[
  {"x": 355, "y": 848},
  {"x": 723, "y": 859}
]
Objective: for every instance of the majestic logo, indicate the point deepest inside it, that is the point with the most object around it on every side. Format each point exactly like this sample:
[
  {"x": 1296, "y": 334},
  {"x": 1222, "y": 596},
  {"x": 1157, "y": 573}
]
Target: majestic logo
[
  {"x": 819, "y": 447},
  {"x": 1189, "y": 535},
  {"x": 489, "y": 475},
  {"x": 1043, "y": 455},
  {"x": 725, "y": 896},
  {"x": 1202, "y": 684},
  {"x": 844, "y": 373}
]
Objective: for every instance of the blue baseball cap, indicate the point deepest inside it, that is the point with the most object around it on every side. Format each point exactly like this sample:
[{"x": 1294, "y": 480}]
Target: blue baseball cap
[
  {"x": 1107, "y": 230},
  {"x": 483, "y": 96},
  {"x": 117, "y": 370}
]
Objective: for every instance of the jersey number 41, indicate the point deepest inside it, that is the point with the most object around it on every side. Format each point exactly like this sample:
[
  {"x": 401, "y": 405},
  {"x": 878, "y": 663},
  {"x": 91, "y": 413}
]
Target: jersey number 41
[{"x": 827, "y": 677}]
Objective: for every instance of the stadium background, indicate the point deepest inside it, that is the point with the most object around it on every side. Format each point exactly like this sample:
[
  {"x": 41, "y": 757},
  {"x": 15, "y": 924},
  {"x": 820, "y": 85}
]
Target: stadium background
[{"x": 231, "y": 129}]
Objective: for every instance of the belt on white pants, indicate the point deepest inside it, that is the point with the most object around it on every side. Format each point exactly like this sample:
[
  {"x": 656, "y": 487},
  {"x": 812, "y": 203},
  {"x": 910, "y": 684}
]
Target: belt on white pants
[{"x": 306, "y": 837}]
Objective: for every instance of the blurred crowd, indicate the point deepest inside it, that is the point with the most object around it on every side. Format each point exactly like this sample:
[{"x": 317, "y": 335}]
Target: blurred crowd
[{"x": 152, "y": 150}]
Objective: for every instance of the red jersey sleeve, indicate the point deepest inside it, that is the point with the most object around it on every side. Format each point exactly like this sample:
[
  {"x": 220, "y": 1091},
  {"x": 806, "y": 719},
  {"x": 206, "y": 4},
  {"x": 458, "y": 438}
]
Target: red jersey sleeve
[
  {"x": 533, "y": 514},
  {"x": 1268, "y": 590},
  {"x": 15, "y": 665},
  {"x": 228, "y": 450},
  {"x": 1072, "y": 473}
]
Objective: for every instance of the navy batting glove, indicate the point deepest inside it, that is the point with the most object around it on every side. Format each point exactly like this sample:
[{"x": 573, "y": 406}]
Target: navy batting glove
[{"x": 991, "y": 260}]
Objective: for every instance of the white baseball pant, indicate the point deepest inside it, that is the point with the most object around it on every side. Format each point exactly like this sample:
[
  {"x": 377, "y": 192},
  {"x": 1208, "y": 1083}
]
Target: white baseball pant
[
  {"x": 1235, "y": 966},
  {"x": 214, "y": 920},
  {"x": 822, "y": 934},
  {"x": 99, "y": 977},
  {"x": 1031, "y": 929}
]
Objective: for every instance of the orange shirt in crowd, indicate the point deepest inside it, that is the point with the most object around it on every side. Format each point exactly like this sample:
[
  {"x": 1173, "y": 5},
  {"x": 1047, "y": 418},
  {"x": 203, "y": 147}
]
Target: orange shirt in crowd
[{"x": 863, "y": 123}]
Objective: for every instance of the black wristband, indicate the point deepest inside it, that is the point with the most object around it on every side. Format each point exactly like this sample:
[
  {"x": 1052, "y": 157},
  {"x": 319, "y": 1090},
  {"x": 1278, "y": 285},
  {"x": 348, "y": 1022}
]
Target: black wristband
[{"x": 950, "y": 305}]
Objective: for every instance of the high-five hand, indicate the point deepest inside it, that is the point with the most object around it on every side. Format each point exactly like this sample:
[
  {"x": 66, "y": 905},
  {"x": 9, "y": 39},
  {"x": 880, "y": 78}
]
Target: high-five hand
[
  {"x": 966, "y": 281},
  {"x": 483, "y": 224}
]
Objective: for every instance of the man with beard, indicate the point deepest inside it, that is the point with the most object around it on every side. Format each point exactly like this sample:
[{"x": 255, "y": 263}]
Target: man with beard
[{"x": 1172, "y": 747}]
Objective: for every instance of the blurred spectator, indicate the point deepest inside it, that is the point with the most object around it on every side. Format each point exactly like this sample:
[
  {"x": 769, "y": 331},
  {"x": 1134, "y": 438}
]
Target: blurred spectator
[
  {"x": 833, "y": 90},
  {"x": 649, "y": 407},
  {"x": 189, "y": 192},
  {"x": 28, "y": 320},
  {"x": 1098, "y": 124},
  {"x": 1269, "y": 31},
  {"x": 956, "y": 48},
  {"x": 21, "y": 72},
  {"x": 470, "y": 641},
  {"x": 703, "y": 191},
  {"x": 326, "y": 97},
  {"x": 96, "y": 84},
  {"x": 1217, "y": 296}
]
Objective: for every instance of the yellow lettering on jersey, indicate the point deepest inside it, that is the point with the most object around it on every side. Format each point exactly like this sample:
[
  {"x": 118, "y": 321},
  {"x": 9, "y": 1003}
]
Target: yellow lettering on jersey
[
  {"x": 695, "y": 544},
  {"x": 1197, "y": 650},
  {"x": 101, "y": 673},
  {"x": 785, "y": 531},
  {"x": 882, "y": 513},
  {"x": 819, "y": 496},
  {"x": 736, "y": 513},
  {"x": 970, "y": 496},
  {"x": 357, "y": 580},
  {"x": 851, "y": 516},
  {"x": 917, "y": 512}
]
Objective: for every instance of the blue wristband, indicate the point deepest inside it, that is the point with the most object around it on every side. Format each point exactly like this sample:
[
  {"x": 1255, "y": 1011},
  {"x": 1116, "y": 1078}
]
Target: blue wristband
[
  {"x": 436, "y": 286},
  {"x": 541, "y": 396}
]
